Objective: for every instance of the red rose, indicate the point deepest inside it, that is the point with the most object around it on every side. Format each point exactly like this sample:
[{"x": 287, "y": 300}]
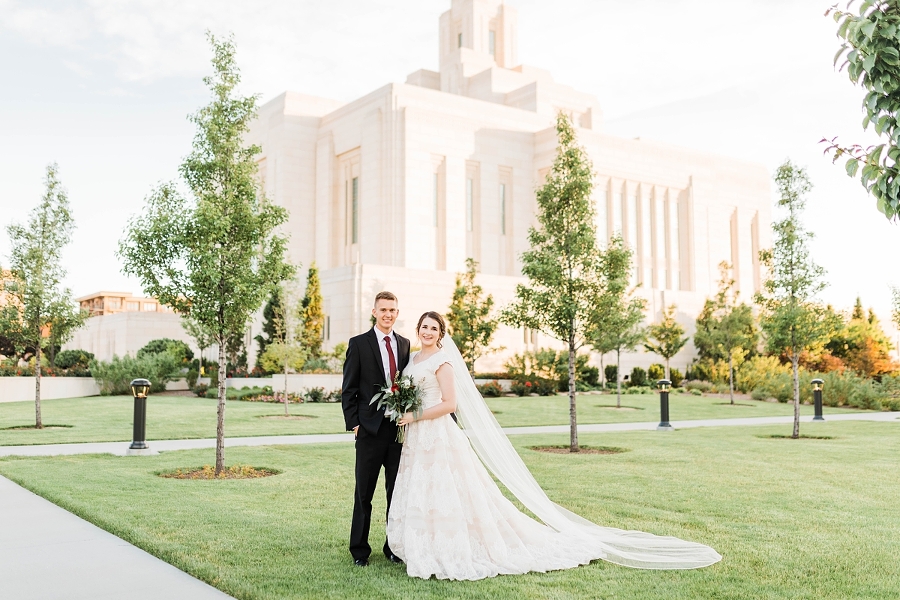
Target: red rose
[
  {"x": 527, "y": 384},
  {"x": 394, "y": 388}
]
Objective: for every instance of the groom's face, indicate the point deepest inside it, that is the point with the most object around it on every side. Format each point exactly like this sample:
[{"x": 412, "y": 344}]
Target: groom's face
[{"x": 385, "y": 313}]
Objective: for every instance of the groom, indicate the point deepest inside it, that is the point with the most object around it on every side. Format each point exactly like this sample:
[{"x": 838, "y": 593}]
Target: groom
[{"x": 373, "y": 359}]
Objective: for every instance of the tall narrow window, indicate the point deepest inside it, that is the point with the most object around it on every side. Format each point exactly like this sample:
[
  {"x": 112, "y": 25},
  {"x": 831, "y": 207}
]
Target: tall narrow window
[
  {"x": 459, "y": 40},
  {"x": 502, "y": 208},
  {"x": 633, "y": 202},
  {"x": 434, "y": 207},
  {"x": 492, "y": 42},
  {"x": 646, "y": 244},
  {"x": 355, "y": 207},
  {"x": 470, "y": 204}
]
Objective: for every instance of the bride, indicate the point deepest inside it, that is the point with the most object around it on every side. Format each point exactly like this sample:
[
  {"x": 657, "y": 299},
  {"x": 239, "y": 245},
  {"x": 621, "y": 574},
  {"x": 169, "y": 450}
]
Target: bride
[{"x": 449, "y": 519}]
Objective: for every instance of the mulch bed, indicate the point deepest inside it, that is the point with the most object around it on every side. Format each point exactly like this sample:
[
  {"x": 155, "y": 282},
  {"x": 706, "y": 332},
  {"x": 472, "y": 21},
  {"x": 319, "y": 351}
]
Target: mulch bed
[
  {"x": 33, "y": 428},
  {"x": 735, "y": 404},
  {"x": 582, "y": 449},
  {"x": 288, "y": 417},
  {"x": 614, "y": 407},
  {"x": 208, "y": 472},
  {"x": 802, "y": 437}
]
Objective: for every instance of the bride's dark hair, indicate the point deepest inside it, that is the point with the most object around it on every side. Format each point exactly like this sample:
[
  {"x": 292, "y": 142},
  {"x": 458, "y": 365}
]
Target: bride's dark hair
[{"x": 440, "y": 320}]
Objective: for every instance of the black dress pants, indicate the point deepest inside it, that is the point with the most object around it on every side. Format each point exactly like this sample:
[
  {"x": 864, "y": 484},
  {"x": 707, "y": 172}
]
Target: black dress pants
[{"x": 372, "y": 453}]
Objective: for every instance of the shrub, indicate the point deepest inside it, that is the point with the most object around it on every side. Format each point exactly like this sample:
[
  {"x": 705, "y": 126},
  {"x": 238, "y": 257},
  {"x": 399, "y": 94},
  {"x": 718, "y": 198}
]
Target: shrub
[
  {"x": 700, "y": 386},
  {"x": 638, "y": 377},
  {"x": 68, "y": 359},
  {"x": 114, "y": 377},
  {"x": 611, "y": 373},
  {"x": 314, "y": 394},
  {"x": 639, "y": 389},
  {"x": 545, "y": 387},
  {"x": 520, "y": 388},
  {"x": 316, "y": 365},
  {"x": 200, "y": 389},
  {"x": 755, "y": 372},
  {"x": 696, "y": 392},
  {"x": 180, "y": 350},
  {"x": 191, "y": 378},
  {"x": 656, "y": 372},
  {"x": 676, "y": 377},
  {"x": 491, "y": 389}
]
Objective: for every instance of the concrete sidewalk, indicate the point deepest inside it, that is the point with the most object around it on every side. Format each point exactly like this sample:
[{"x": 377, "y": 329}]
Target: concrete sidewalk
[
  {"x": 120, "y": 448},
  {"x": 47, "y": 553}
]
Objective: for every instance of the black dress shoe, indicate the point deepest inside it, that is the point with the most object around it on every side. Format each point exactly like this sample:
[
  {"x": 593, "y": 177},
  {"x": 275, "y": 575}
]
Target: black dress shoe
[
  {"x": 361, "y": 562},
  {"x": 394, "y": 559}
]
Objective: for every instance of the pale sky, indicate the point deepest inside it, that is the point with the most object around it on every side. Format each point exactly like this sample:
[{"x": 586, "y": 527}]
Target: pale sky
[{"x": 104, "y": 87}]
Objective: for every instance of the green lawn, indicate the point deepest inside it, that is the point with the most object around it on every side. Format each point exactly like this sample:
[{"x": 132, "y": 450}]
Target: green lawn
[
  {"x": 794, "y": 519},
  {"x": 108, "y": 419}
]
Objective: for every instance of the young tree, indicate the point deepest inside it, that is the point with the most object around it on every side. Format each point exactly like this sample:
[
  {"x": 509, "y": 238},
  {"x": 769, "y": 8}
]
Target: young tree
[
  {"x": 217, "y": 256},
  {"x": 38, "y": 311},
  {"x": 871, "y": 53},
  {"x": 469, "y": 317},
  {"x": 726, "y": 329},
  {"x": 312, "y": 315},
  {"x": 562, "y": 263},
  {"x": 203, "y": 338},
  {"x": 287, "y": 352},
  {"x": 665, "y": 338},
  {"x": 895, "y": 313},
  {"x": 792, "y": 319},
  {"x": 617, "y": 320}
]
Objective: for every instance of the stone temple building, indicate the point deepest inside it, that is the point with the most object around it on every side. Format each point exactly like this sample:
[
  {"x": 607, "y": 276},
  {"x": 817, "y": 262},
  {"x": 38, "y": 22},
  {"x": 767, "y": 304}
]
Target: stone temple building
[{"x": 397, "y": 188}]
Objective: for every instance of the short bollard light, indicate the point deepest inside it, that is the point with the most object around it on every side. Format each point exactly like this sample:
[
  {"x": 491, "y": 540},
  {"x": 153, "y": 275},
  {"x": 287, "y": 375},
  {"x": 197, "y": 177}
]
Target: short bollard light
[
  {"x": 140, "y": 388},
  {"x": 664, "y": 385},
  {"x": 818, "y": 384}
]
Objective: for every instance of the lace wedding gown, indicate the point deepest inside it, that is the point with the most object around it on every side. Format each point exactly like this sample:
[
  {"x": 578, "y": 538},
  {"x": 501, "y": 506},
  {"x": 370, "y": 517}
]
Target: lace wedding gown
[{"x": 448, "y": 518}]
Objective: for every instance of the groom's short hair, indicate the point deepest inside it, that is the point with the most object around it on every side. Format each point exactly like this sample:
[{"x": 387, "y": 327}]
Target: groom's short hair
[{"x": 385, "y": 296}]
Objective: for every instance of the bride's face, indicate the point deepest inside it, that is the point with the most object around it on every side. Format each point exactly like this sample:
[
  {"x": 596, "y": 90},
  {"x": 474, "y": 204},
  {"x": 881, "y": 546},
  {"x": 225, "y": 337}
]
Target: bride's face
[{"x": 429, "y": 333}]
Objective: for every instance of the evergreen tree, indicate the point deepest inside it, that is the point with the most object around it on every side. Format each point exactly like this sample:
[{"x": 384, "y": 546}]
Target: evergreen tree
[
  {"x": 37, "y": 311},
  {"x": 792, "y": 319},
  {"x": 270, "y": 330},
  {"x": 217, "y": 257},
  {"x": 469, "y": 317},
  {"x": 312, "y": 313},
  {"x": 665, "y": 338},
  {"x": 562, "y": 262}
]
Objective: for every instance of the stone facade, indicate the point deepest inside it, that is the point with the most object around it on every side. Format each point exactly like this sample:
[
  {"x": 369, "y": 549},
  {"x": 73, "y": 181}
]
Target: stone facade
[{"x": 396, "y": 189}]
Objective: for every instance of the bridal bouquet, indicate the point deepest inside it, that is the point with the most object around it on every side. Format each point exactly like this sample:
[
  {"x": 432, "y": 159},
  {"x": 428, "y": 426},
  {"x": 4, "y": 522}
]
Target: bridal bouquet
[{"x": 399, "y": 398}]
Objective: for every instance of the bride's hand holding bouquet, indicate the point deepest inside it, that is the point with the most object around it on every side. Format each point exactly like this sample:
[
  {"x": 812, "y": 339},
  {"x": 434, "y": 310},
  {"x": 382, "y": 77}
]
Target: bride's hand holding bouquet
[{"x": 401, "y": 403}]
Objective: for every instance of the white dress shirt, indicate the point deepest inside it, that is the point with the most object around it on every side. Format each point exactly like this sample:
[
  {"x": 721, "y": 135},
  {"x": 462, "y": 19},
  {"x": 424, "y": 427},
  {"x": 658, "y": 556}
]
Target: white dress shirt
[{"x": 385, "y": 359}]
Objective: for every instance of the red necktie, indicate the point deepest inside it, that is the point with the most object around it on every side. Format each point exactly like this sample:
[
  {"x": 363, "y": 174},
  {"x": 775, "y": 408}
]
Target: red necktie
[{"x": 392, "y": 363}]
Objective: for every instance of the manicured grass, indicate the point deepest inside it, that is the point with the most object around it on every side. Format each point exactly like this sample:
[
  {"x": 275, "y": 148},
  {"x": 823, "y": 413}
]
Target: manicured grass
[
  {"x": 109, "y": 419},
  {"x": 808, "y": 519}
]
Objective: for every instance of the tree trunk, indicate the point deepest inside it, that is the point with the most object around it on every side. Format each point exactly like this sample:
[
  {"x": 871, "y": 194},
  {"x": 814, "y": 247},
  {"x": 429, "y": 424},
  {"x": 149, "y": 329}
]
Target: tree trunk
[
  {"x": 667, "y": 370},
  {"x": 603, "y": 375},
  {"x": 731, "y": 377},
  {"x": 220, "y": 415},
  {"x": 38, "y": 422},
  {"x": 795, "y": 359},
  {"x": 573, "y": 421},
  {"x": 618, "y": 378}
]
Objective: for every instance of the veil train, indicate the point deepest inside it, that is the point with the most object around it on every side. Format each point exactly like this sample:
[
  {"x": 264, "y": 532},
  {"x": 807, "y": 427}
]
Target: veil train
[{"x": 635, "y": 549}]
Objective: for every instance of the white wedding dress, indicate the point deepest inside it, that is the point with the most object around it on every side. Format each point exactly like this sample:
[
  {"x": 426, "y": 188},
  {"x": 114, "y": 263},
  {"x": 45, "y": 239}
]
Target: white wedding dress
[{"x": 448, "y": 518}]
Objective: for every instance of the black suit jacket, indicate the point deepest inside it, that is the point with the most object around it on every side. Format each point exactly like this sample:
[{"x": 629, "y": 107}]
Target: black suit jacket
[{"x": 364, "y": 377}]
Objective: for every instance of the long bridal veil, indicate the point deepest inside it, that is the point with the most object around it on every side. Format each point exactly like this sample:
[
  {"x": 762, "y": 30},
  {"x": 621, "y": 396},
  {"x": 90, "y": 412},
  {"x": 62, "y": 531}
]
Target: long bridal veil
[{"x": 628, "y": 548}]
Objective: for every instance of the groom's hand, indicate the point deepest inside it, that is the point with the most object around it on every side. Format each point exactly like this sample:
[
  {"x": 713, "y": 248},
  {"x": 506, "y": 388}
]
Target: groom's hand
[{"x": 354, "y": 431}]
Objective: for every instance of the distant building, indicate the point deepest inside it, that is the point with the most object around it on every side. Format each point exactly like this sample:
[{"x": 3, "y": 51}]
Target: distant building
[
  {"x": 396, "y": 189},
  {"x": 121, "y": 324}
]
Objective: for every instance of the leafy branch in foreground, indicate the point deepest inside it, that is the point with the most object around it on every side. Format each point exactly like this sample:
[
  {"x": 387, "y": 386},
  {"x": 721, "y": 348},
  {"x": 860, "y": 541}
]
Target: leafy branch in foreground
[{"x": 871, "y": 53}]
